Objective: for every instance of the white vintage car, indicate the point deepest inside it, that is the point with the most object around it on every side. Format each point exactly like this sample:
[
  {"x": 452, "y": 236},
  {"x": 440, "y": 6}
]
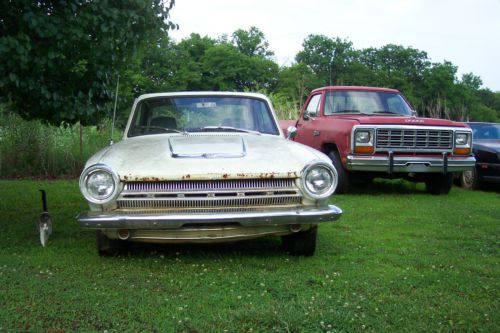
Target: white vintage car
[{"x": 206, "y": 167}]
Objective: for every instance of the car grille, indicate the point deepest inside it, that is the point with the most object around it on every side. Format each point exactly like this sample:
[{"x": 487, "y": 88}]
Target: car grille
[
  {"x": 404, "y": 139},
  {"x": 209, "y": 194}
]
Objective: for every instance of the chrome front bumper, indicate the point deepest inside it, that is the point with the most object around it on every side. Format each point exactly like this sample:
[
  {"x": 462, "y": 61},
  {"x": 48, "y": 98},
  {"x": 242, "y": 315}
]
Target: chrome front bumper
[
  {"x": 406, "y": 164},
  {"x": 122, "y": 220}
]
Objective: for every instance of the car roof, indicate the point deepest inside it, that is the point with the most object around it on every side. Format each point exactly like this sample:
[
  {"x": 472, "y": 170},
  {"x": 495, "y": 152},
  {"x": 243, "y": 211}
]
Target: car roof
[
  {"x": 358, "y": 88},
  {"x": 202, "y": 93}
]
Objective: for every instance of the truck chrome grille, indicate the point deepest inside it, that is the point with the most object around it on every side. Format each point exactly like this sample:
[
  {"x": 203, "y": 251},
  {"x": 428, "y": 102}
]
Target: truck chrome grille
[
  {"x": 404, "y": 139},
  {"x": 209, "y": 194}
]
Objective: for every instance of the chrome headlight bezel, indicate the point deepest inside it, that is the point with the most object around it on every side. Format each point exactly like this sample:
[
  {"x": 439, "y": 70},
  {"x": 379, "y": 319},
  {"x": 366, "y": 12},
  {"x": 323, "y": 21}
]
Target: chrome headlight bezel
[
  {"x": 85, "y": 176},
  {"x": 325, "y": 167},
  {"x": 462, "y": 139}
]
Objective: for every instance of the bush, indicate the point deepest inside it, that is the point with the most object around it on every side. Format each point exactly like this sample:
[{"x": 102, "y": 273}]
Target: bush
[{"x": 33, "y": 149}]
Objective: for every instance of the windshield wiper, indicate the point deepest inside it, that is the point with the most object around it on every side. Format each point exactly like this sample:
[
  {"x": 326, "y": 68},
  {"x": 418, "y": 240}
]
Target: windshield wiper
[
  {"x": 167, "y": 130},
  {"x": 225, "y": 128},
  {"x": 385, "y": 112},
  {"x": 350, "y": 111}
]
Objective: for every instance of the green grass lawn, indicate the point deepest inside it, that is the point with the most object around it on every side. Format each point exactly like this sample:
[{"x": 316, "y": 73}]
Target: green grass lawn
[{"x": 398, "y": 260}]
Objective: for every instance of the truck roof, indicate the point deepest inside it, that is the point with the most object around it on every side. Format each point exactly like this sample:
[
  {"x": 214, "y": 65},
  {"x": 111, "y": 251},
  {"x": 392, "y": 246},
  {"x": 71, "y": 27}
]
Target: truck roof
[{"x": 356, "y": 88}]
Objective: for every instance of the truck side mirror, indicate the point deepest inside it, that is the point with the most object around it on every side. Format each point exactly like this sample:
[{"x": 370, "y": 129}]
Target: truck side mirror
[
  {"x": 309, "y": 114},
  {"x": 291, "y": 132},
  {"x": 413, "y": 113}
]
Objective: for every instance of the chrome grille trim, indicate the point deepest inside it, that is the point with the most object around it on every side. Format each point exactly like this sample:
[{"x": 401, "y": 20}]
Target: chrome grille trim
[
  {"x": 191, "y": 185},
  {"x": 420, "y": 139},
  {"x": 209, "y": 194}
]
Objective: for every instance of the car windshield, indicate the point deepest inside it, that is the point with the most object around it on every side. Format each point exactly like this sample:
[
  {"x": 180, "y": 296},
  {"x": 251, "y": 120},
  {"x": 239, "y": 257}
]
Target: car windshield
[
  {"x": 483, "y": 131},
  {"x": 202, "y": 114},
  {"x": 366, "y": 102}
]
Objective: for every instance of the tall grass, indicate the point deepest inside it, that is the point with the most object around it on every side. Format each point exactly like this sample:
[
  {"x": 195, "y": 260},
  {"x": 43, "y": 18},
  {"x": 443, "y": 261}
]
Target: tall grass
[{"x": 33, "y": 149}]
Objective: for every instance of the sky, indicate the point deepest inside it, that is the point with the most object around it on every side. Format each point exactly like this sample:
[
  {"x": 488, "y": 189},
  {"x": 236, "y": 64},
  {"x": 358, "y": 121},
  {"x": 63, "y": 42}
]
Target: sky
[{"x": 464, "y": 32}]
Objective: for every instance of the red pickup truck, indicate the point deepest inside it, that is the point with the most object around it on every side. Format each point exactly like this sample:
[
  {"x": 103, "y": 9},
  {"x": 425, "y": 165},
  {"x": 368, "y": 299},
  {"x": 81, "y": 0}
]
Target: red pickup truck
[{"x": 373, "y": 132}]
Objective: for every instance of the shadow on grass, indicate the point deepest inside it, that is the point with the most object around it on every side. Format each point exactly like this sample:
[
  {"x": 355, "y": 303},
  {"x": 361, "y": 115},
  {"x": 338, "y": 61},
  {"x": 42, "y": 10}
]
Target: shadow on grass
[
  {"x": 387, "y": 186},
  {"x": 261, "y": 247}
]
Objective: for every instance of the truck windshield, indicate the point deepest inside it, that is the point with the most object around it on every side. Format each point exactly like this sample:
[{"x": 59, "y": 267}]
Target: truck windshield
[
  {"x": 485, "y": 131},
  {"x": 366, "y": 102},
  {"x": 202, "y": 114}
]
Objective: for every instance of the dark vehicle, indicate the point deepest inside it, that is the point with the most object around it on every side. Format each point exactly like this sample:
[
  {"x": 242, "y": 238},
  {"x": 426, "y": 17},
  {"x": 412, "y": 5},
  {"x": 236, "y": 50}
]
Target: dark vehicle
[{"x": 486, "y": 148}]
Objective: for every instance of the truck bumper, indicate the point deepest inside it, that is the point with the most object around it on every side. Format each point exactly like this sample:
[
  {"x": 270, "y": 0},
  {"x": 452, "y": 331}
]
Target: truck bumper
[
  {"x": 408, "y": 164},
  {"x": 489, "y": 172},
  {"x": 122, "y": 220}
]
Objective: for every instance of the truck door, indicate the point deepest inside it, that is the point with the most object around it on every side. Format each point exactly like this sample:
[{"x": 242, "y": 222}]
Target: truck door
[{"x": 308, "y": 132}]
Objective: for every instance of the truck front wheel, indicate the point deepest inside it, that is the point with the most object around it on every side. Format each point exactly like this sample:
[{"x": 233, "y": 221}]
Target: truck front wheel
[
  {"x": 302, "y": 243},
  {"x": 343, "y": 181},
  {"x": 438, "y": 183},
  {"x": 469, "y": 180}
]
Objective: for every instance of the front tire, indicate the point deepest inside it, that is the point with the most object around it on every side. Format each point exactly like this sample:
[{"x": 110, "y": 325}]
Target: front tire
[
  {"x": 439, "y": 184},
  {"x": 343, "y": 181},
  {"x": 469, "y": 180},
  {"x": 107, "y": 247},
  {"x": 302, "y": 243}
]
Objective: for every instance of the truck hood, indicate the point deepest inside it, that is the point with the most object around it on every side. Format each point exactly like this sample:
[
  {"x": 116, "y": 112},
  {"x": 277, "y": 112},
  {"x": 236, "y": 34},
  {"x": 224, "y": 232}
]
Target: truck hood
[
  {"x": 206, "y": 156},
  {"x": 397, "y": 120},
  {"x": 492, "y": 146}
]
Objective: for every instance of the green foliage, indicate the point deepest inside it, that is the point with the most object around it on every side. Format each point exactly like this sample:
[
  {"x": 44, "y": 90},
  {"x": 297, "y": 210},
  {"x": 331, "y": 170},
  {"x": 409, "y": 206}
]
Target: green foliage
[
  {"x": 251, "y": 42},
  {"x": 202, "y": 63},
  {"x": 60, "y": 60},
  {"x": 328, "y": 58},
  {"x": 398, "y": 260},
  {"x": 296, "y": 82},
  {"x": 34, "y": 149}
]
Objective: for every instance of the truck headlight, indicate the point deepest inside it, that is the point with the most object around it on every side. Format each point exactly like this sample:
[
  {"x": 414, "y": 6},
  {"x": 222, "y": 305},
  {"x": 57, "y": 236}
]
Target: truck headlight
[
  {"x": 461, "y": 139},
  {"x": 320, "y": 180},
  {"x": 362, "y": 136},
  {"x": 363, "y": 141},
  {"x": 99, "y": 184},
  {"x": 462, "y": 143}
]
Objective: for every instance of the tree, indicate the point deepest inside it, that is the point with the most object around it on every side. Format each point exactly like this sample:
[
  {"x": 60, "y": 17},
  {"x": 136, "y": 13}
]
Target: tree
[
  {"x": 61, "y": 59},
  {"x": 328, "y": 58},
  {"x": 252, "y": 42},
  {"x": 296, "y": 82},
  {"x": 226, "y": 68}
]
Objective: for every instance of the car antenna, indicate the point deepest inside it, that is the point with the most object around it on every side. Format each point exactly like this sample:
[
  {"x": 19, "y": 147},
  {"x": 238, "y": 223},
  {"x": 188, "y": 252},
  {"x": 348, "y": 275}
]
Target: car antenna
[{"x": 111, "y": 142}]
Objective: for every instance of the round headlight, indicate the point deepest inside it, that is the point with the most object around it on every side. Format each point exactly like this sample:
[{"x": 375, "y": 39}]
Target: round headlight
[
  {"x": 461, "y": 138},
  {"x": 98, "y": 184},
  {"x": 362, "y": 136},
  {"x": 320, "y": 180}
]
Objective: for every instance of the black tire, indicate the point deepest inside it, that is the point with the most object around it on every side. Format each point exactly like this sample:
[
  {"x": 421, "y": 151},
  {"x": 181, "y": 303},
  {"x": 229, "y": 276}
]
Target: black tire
[
  {"x": 302, "y": 243},
  {"x": 469, "y": 180},
  {"x": 439, "y": 183},
  {"x": 107, "y": 247},
  {"x": 343, "y": 181}
]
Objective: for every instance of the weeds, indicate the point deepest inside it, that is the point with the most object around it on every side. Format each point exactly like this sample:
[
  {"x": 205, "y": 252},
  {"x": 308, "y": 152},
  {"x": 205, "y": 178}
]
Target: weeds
[{"x": 33, "y": 149}]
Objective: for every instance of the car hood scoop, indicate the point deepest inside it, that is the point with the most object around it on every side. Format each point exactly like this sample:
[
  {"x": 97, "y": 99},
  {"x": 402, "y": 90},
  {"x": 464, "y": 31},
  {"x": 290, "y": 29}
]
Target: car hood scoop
[{"x": 201, "y": 146}]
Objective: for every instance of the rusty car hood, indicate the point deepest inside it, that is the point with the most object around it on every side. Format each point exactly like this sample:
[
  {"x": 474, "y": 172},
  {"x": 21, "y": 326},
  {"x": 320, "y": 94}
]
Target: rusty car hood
[{"x": 206, "y": 156}]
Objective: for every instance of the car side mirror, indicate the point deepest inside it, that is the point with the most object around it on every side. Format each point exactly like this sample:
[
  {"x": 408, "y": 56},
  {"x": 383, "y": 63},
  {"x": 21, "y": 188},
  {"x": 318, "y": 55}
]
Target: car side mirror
[{"x": 291, "y": 132}]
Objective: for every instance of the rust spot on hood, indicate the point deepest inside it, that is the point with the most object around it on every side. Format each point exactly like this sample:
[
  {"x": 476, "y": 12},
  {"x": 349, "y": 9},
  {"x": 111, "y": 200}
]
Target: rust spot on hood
[{"x": 267, "y": 175}]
